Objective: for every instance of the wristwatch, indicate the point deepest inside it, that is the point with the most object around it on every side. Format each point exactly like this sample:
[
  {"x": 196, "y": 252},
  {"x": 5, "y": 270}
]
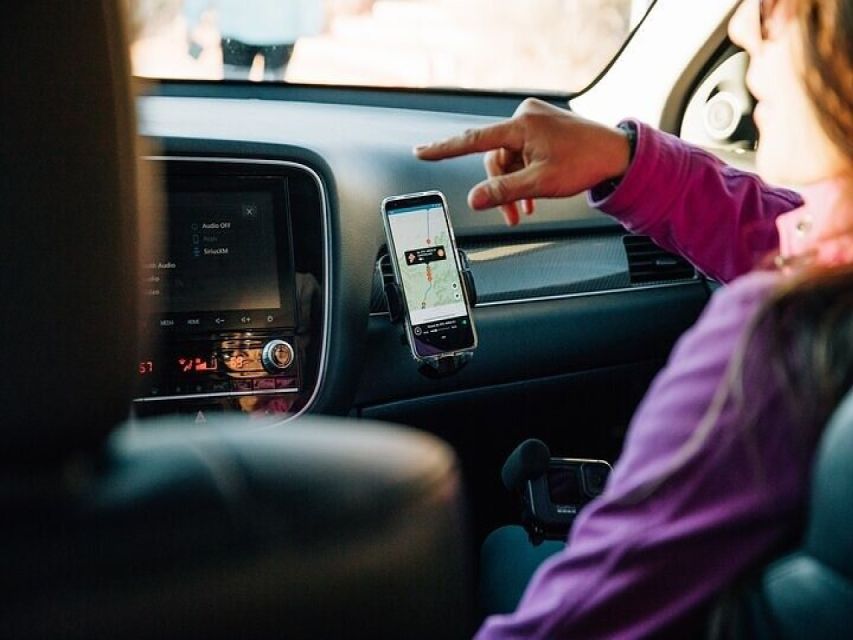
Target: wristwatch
[
  {"x": 604, "y": 189},
  {"x": 630, "y": 130}
]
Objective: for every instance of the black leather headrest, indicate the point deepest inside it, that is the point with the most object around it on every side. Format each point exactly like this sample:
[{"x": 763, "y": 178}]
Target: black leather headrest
[
  {"x": 321, "y": 528},
  {"x": 809, "y": 593},
  {"x": 830, "y": 533},
  {"x": 69, "y": 227}
]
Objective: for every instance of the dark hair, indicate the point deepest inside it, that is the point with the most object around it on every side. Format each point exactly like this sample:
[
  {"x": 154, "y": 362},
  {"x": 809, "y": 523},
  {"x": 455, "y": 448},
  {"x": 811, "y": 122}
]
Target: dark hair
[
  {"x": 808, "y": 328},
  {"x": 827, "y": 29},
  {"x": 809, "y": 320}
]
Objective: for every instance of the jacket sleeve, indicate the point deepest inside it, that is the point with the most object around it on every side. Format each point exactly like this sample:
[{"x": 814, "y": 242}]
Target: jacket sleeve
[
  {"x": 689, "y": 202},
  {"x": 687, "y": 509}
]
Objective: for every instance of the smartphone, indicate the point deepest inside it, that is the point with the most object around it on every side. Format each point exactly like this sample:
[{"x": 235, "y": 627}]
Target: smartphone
[{"x": 427, "y": 268}]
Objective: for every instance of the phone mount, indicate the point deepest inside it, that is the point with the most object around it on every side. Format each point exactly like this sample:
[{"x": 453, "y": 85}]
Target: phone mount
[{"x": 445, "y": 365}]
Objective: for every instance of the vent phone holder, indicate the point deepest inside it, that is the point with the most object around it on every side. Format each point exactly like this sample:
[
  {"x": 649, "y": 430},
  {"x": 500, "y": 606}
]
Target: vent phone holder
[{"x": 442, "y": 366}]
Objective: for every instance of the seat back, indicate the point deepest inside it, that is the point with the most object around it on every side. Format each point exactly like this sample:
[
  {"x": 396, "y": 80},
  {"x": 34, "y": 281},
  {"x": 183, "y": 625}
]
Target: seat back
[
  {"x": 69, "y": 204},
  {"x": 809, "y": 593}
]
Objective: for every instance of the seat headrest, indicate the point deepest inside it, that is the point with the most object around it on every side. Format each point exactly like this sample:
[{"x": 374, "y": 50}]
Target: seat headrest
[
  {"x": 320, "y": 528},
  {"x": 69, "y": 227},
  {"x": 809, "y": 593},
  {"x": 828, "y": 537}
]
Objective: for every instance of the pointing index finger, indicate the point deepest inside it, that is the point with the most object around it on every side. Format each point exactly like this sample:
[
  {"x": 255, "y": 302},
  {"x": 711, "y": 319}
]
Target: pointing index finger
[{"x": 503, "y": 135}]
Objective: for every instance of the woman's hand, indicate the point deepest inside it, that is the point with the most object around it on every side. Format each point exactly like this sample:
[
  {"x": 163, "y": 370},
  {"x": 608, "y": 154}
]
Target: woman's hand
[{"x": 541, "y": 152}]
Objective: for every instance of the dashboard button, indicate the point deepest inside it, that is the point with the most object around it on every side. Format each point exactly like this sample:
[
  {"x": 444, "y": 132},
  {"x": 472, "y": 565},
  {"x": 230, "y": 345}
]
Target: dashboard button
[
  {"x": 285, "y": 383},
  {"x": 242, "y": 385},
  {"x": 265, "y": 384}
]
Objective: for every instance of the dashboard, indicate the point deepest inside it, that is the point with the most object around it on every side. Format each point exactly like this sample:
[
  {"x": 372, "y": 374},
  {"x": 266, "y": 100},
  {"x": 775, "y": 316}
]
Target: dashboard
[{"x": 553, "y": 295}]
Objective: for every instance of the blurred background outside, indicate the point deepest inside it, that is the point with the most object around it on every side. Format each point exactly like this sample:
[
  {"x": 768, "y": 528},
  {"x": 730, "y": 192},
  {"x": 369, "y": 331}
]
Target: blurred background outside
[{"x": 550, "y": 46}]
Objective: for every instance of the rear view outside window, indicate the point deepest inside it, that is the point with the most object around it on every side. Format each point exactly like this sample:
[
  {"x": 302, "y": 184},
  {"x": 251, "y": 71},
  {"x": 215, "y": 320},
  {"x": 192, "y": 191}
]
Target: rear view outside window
[{"x": 551, "y": 46}]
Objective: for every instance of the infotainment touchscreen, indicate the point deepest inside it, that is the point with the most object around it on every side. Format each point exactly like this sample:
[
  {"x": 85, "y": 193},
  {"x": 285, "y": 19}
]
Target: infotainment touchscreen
[{"x": 225, "y": 259}]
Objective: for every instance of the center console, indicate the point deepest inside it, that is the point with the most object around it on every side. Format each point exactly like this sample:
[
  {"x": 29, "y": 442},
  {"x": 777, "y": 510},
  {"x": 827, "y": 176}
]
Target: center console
[{"x": 235, "y": 289}]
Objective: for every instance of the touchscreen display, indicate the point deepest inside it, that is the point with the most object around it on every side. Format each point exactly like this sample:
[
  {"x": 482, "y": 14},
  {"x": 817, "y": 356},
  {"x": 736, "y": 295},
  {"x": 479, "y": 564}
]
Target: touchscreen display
[
  {"x": 218, "y": 259},
  {"x": 430, "y": 279}
]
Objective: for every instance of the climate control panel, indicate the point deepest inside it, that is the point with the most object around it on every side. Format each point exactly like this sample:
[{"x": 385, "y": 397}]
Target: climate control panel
[{"x": 240, "y": 363}]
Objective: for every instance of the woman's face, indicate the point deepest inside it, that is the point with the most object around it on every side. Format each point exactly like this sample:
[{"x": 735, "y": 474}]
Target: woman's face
[{"x": 794, "y": 148}]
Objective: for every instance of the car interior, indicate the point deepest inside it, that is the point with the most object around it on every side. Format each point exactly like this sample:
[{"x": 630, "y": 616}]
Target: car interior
[{"x": 246, "y": 447}]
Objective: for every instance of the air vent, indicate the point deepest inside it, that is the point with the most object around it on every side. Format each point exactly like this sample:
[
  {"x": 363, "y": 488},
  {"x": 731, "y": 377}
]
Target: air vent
[
  {"x": 383, "y": 275},
  {"x": 648, "y": 263},
  {"x": 386, "y": 270}
]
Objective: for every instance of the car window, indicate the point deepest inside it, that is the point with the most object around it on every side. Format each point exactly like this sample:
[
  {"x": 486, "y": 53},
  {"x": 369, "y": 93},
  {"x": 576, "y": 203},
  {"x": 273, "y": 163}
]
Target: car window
[{"x": 533, "y": 46}]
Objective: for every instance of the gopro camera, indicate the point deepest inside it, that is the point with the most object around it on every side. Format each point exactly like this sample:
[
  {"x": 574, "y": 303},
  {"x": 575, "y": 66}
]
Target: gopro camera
[{"x": 552, "y": 491}]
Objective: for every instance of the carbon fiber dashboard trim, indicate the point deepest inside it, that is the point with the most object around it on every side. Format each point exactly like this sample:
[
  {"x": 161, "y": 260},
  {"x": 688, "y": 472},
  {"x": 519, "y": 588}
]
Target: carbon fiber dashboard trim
[{"x": 549, "y": 269}]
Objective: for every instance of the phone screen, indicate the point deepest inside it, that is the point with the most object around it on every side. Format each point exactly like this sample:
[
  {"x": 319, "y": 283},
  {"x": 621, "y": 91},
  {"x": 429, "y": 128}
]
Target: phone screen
[{"x": 422, "y": 245}]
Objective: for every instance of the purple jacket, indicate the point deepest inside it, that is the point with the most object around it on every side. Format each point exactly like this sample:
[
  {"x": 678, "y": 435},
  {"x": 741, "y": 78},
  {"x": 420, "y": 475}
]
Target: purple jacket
[{"x": 646, "y": 566}]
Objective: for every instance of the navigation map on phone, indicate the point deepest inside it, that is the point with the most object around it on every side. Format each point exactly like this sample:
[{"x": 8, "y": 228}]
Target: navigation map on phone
[{"x": 430, "y": 279}]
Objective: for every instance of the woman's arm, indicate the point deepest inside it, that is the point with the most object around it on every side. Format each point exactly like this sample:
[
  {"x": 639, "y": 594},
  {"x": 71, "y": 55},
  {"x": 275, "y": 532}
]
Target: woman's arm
[
  {"x": 720, "y": 218},
  {"x": 690, "y": 203}
]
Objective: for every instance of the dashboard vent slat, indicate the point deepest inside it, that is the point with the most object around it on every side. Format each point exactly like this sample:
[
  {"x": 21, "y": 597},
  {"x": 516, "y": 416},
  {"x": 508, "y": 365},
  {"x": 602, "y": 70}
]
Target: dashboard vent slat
[
  {"x": 386, "y": 270},
  {"x": 383, "y": 274},
  {"x": 648, "y": 263}
]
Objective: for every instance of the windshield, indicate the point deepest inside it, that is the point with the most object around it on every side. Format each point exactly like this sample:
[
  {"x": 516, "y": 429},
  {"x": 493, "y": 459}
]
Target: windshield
[{"x": 537, "y": 46}]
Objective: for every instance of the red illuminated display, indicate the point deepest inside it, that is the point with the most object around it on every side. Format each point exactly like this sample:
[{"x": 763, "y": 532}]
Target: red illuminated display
[
  {"x": 198, "y": 365},
  {"x": 146, "y": 367}
]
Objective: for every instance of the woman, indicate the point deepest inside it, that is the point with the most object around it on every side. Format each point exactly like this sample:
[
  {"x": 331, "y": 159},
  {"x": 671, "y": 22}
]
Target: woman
[{"x": 714, "y": 475}]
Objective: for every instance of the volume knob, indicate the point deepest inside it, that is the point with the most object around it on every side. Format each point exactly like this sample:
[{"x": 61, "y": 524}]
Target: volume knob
[{"x": 277, "y": 356}]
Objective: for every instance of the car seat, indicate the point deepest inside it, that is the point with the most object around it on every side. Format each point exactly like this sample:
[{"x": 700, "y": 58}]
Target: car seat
[{"x": 809, "y": 592}]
